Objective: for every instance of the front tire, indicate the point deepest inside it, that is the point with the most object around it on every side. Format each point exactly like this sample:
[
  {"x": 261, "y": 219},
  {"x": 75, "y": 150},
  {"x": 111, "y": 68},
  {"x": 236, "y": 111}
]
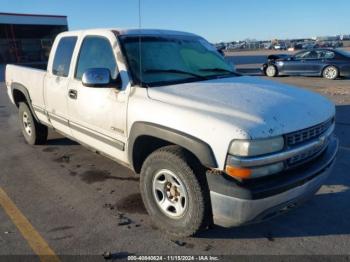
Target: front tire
[
  {"x": 34, "y": 133},
  {"x": 174, "y": 193},
  {"x": 271, "y": 71},
  {"x": 330, "y": 73}
]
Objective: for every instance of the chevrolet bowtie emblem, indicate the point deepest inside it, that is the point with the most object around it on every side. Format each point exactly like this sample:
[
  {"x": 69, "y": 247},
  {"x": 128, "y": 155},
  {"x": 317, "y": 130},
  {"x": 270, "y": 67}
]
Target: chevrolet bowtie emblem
[{"x": 322, "y": 139}]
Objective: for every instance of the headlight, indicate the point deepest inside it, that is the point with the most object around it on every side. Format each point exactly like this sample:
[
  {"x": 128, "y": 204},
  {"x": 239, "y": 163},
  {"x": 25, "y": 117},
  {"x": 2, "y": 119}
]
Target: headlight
[{"x": 256, "y": 147}]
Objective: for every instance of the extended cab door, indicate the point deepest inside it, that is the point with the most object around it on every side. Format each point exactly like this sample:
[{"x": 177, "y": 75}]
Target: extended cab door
[
  {"x": 98, "y": 114},
  {"x": 56, "y": 83}
]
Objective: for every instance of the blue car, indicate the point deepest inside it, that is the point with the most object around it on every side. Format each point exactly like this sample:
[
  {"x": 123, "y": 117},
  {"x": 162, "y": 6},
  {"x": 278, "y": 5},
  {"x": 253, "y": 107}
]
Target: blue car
[{"x": 328, "y": 63}]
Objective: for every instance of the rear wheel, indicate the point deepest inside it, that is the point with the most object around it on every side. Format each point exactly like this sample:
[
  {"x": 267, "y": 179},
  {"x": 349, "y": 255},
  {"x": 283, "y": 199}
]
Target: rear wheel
[
  {"x": 174, "y": 193},
  {"x": 271, "y": 71},
  {"x": 33, "y": 132},
  {"x": 330, "y": 73}
]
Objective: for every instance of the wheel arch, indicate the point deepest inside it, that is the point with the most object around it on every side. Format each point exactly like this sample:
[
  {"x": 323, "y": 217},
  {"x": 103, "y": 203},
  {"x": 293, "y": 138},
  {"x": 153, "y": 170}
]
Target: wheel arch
[
  {"x": 146, "y": 137},
  {"x": 20, "y": 94}
]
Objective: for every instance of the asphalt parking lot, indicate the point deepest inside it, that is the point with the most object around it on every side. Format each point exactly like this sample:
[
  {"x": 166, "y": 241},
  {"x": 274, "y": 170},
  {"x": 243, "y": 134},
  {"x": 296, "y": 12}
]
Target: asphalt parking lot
[{"x": 81, "y": 203}]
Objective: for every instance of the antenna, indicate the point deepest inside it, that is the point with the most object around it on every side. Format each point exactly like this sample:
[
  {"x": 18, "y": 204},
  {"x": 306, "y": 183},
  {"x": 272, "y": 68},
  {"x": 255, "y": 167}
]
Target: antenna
[
  {"x": 140, "y": 56},
  {"x": 140, "y": 14}
]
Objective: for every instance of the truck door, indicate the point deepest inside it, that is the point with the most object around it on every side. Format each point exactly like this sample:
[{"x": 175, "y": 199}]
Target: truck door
[
  {"x": 98, "y": 114},
  {"x": 56, "y": 84}
]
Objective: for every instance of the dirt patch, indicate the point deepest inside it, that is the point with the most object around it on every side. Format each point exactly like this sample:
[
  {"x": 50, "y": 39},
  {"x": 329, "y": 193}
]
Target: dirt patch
[
  {"x": 131, "y": 204},
  {"x": 56, "y": 229},
  {"x": 116, "y": 256},
  {"x": 72, "y": 173},
  {"x": 93, "y": 176},
  {"x": 63, "y": 159},
  {"x": 208, "y": 247},
  {"x": 181, "y": 243},
  {"x": 62, "y": 238},
  {"x": 50, "y": 149}
]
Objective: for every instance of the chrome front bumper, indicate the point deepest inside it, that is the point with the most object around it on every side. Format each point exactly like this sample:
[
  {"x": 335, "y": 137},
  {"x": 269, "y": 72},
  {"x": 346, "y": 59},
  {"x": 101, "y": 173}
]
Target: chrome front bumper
[{"x": 231, "y": 211}]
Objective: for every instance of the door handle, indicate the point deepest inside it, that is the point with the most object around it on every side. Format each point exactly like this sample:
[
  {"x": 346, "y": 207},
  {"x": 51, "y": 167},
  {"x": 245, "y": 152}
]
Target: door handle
[{"x": 73, "y": 94}]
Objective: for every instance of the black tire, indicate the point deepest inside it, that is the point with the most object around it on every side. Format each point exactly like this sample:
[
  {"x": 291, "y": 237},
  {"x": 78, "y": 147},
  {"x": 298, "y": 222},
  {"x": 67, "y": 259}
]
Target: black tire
[
  {"x": 271, "y": 71},
  {"x": 34, "y": 133},
  {"x": 197, "y": 214},
  {"x": 330, "y": 72}
]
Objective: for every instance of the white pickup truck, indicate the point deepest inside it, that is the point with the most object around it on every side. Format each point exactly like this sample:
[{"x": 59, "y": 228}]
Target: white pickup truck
[{"x": 210, "y": 146}]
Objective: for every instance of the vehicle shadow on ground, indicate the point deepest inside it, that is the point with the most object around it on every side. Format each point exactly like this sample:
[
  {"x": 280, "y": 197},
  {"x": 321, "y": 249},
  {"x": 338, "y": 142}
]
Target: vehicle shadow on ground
[
  {"x": 61, "y": 142},
  {"x": 2, "y": 72},
  {"x": 343, "y": 114},
  {"x": 342, "y": 129},
  {"x": 327, "y": 213}
]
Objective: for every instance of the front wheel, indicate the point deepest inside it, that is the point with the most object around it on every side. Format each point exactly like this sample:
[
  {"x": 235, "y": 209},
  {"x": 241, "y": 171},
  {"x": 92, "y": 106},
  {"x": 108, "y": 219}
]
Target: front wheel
[
  {"x": 33, "y": 132},
  {"x": 271, "y": 71},
  {"x": 174, "y": 194},
  {"x": 330, "y": 73}
]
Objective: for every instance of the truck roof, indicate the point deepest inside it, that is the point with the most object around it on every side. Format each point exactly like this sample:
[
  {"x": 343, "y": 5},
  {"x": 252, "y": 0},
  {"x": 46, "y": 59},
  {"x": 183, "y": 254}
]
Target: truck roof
[
  {"x": 152, "y": 32},
  {"x": 131, "y": 32}
]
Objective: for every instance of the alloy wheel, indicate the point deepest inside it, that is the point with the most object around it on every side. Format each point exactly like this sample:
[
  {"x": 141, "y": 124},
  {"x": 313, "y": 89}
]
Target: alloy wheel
[
  {"x": 330, "y": 72},
  {"x": 271, "y": 71}
]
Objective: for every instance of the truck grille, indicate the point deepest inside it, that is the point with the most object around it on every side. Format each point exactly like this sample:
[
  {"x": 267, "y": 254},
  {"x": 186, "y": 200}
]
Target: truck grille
[
  {"x": 307, "y": 134},
  {"x": 305, "y": 156}
]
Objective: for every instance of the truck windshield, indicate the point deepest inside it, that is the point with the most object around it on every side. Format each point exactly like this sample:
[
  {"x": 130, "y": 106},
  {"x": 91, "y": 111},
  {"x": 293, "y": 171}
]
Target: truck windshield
[{"x": 173, "y": 59}]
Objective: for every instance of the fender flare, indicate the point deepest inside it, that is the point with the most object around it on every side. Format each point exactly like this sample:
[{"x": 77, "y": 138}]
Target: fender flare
[
  {"x": 199, "y": 148},
  {"x": 24, "y": 91}
]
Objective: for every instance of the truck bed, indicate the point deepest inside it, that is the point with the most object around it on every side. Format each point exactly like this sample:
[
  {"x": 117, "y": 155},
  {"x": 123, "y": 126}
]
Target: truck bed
[{"x": 31, "y": 79}]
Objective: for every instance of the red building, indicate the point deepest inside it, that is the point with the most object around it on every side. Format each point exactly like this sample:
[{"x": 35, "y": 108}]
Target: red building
[{"x": 27, "y": 38}]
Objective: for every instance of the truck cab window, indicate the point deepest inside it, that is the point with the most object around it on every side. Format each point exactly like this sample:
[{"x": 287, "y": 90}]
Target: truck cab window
[
  {"x": 63, "y": 56},
  {"x": 96, "y": 52}
]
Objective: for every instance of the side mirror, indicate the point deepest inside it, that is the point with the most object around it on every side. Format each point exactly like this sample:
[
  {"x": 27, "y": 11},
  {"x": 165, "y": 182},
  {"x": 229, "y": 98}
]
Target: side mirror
[{"x": 96, "y": 77}]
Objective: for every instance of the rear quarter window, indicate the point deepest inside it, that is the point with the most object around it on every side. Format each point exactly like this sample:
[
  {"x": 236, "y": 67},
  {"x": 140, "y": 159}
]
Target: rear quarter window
[{"x": 63, "y": 56}]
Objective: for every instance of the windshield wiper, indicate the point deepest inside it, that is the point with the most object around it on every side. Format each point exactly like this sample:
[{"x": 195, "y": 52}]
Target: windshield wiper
[
  {"x": 175, "y": 71},
  {"x": 217, "y": 69}
]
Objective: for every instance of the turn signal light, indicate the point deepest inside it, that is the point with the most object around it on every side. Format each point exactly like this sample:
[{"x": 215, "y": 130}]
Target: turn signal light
[{"x": 237, "y": 172}]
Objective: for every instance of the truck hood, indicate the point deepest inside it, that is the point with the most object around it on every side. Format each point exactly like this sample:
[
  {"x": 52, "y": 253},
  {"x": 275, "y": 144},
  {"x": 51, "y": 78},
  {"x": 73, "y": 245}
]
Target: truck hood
[{"x": 259, "y": 107}]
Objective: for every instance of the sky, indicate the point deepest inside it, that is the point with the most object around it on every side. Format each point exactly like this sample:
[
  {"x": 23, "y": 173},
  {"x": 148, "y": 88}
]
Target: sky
[{"x": 216, "y": 20}]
